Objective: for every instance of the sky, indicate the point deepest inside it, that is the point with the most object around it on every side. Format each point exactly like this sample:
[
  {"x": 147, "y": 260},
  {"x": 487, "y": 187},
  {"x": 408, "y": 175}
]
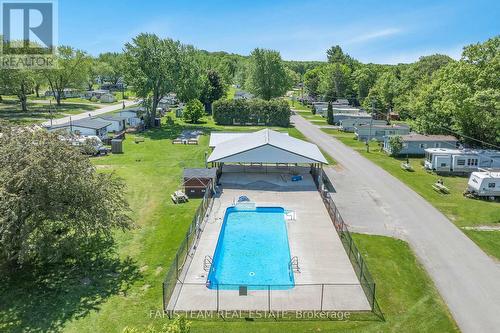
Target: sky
[{"x": 388, "y": 32}]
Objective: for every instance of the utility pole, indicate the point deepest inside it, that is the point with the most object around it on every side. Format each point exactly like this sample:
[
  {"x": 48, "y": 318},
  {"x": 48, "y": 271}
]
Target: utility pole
[{"x": 371, "y": 126}]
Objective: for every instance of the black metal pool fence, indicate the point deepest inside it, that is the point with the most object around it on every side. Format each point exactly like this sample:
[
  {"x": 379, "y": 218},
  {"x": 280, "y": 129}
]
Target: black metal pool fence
[{"x": 276, "y": 299}]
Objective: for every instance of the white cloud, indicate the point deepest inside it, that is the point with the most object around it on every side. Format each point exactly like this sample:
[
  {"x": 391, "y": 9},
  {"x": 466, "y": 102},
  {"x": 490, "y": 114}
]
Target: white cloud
[{"x": 373, "y": 35}]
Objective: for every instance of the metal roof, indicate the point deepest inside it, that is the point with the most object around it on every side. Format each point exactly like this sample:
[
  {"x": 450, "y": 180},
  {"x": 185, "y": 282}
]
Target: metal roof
[
  {"x": 112, "y": 118},
  {"x": 266, "y": 146},
  {"x": 218, "y": 137},
  {"x": 200, "y": 173},
  {"x": 421, "y": 137},
  {"x": 92, "y": 123}
]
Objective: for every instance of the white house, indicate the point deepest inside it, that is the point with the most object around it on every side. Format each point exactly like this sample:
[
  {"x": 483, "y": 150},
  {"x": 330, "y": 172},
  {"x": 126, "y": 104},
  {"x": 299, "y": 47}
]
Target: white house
[
  {"x": 378, "y": 132},
  {"x": 484, "y": 184},
  {"x": 133, "y": 116},
  {"x": 67, "y": 93},
  {"x": 415, "y": 144},
  {"x": 96, "y": 93},
  {"x": 108, "y": 98},
  {"x": 118, "y": 123},
  {"x": 84, "y": 127},
  {"x": 460, "y": 160},
  {"x": 349, "y": 123}
]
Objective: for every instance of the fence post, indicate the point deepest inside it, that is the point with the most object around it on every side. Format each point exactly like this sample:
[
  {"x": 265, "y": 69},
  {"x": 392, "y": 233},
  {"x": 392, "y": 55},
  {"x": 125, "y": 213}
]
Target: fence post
[
  {"x": 362, "y": 263},
  {"x": 177, "y": 266},
  {"x": 269, "y": 298},
  {"x": 373, "y": 297},
  {"x": 217, "y": 297},
  {"x": 164, "y": 300},
  {"x": 322, "y": 292}
]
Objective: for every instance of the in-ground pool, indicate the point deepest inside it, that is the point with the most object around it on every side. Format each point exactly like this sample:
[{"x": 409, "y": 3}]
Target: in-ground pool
[{"x": 252, "y": 251}]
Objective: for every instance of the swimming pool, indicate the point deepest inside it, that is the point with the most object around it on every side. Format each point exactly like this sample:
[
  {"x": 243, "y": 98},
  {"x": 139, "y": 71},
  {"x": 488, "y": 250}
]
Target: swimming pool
[{"x": 252, "y": 250}]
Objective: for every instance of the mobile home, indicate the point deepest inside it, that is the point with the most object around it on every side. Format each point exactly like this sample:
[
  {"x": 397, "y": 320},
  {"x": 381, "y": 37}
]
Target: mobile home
[
  {"x": 415, "y": 144},
  {"x": 84, "y": 127},
  {"x": 484, "y": 184},
  {"x": 133, "y": 116},
  {"x": 379, "y": 132},
  {"x": 349, "y": 124},
  {"x": 460, "y": 160},
  {"x": 118, "y": 123}
]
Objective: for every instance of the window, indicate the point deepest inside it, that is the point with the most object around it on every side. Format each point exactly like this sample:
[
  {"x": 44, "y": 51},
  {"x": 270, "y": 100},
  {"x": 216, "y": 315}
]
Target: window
[
  {"x": 491, "y": 185},
  {"x": 423, "y": 145},
  {"x": 443, "y": 165},
  {"x": 474, "y": 180},
  {"x": 460, "y": 162},
  {"x": 472, "y": 162},
  {"x": 437, "y": 145}
]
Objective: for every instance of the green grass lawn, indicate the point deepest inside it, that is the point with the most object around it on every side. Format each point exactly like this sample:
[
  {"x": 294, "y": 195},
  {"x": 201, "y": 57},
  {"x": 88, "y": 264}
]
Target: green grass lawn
[
  {"x": 124, "y": 292},
  {"x": 462, "y": 211},
  {"x": 10, "y": 110}
]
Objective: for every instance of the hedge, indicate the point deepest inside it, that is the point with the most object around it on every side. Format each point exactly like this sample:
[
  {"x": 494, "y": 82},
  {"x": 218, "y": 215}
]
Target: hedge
[{"x": 252, "y": 112}]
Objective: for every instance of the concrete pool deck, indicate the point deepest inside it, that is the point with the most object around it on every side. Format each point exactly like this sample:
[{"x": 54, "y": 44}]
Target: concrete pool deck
[{"x": 326, "y": 281}]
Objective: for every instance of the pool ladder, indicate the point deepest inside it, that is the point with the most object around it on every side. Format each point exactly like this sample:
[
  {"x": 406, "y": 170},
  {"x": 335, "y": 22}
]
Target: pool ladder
[
  {"x": 207, "y": 263},
  {"x": 294, "y": 264}
]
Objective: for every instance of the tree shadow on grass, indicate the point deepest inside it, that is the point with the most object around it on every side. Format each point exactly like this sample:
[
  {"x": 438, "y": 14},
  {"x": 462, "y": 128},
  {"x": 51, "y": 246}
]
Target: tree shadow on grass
[{"x": 37, "y": 301}]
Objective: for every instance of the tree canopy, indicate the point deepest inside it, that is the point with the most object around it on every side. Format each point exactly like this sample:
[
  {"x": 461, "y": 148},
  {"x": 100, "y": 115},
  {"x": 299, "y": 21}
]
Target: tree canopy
[
  {"x": 267, "y": 76},
  {"x": 54, "y": 206}
]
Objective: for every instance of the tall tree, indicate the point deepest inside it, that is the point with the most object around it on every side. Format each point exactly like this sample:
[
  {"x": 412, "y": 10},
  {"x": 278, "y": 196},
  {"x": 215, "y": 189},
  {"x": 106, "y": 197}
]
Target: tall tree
[
  {"x": 312, "y": 80},
  {"x": 19, "y": 82},
  {"x": 115, "y": 69},
  {"x": 156, "y": 67},
  {"x": 54, "y": 205},
  {"x": 70, "y": 72},
  {"x": 97, "y": 70},
  {"x": 336, "y": 81},
  {"x": 267, "y": 77},
  {"x": 213, "y": 89}
]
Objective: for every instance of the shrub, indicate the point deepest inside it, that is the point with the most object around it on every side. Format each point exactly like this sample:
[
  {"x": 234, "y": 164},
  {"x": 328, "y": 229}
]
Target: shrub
[
  {"x": 255, "y": 111},
  {"x": 329, "y": 119},
  {"x": 395, "y": 145},
  {"x": 193, "y": 111}
]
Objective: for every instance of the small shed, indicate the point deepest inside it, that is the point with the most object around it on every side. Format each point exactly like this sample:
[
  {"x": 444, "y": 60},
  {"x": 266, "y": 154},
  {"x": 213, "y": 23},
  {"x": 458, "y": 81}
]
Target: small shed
[
  {"x": 198, "y": 180},
  {"x": 108, "y": 98}
]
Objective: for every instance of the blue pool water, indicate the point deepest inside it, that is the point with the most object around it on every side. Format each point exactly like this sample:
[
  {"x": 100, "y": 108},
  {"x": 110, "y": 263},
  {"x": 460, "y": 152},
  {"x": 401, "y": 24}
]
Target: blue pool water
[{"x": 252, "y": 250}]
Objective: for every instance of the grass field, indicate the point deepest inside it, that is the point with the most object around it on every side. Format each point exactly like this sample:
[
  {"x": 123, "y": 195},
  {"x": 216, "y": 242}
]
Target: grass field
[
  {"x": 10, "y": 110},
  {"x": 125, "y": 290},
  {"x": 464, "y": 212}
]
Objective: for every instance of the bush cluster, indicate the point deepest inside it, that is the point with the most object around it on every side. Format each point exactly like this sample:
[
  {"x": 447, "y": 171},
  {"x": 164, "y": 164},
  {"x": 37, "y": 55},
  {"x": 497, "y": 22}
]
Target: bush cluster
[{"x": 254, "y": 111}]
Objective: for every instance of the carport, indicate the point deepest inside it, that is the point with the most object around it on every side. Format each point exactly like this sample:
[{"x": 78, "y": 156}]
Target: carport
[{"x": 266, "y": 150}]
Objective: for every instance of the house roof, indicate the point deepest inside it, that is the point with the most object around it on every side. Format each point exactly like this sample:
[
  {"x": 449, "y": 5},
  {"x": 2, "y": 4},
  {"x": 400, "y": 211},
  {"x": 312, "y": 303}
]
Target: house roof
[
  {"x": 400, "y": 126},
  {"x": 421, "y": 137},
  {"x": 200, "y": 173},
  {"x": 112, "y": 118},
  {"x": 218, "y": 137},
  {"x": 487, "y": 174},
  {"x": 92, "y": 123},
  {"x": 266, "y": 146}
]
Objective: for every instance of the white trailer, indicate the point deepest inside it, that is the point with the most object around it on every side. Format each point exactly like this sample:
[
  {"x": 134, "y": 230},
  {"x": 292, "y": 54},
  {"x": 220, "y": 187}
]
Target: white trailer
[
  {"x": 484, "y": 184},
  {"x": 460, "y": 160}
]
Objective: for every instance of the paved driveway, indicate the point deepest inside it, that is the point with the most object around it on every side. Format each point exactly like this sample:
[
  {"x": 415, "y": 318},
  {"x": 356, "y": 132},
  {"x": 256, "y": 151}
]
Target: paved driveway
[{"x": 373, "y": 201}]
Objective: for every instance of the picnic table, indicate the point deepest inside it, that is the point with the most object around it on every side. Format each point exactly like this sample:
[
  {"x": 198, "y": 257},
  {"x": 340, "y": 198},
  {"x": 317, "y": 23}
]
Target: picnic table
[
  {"x": 406, "y": 166},
  {"x": 179, "y": 197},
  {"x": 439, "y": 187}
]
